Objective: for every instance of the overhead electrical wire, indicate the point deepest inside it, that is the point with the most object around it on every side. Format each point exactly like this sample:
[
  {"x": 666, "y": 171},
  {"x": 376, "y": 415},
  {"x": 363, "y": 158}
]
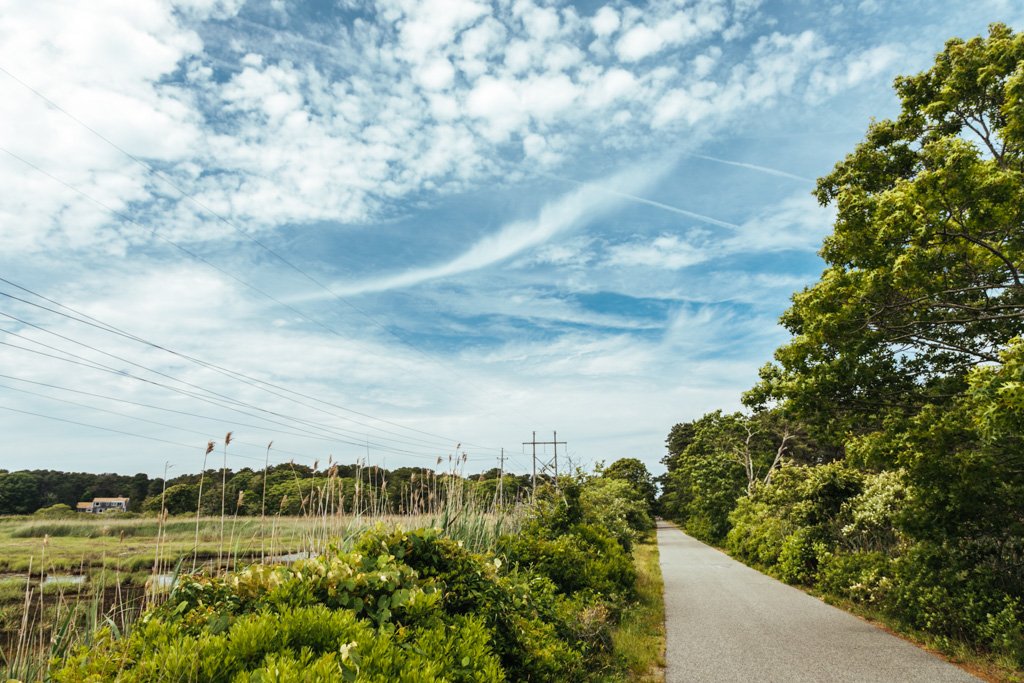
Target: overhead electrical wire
[
  {"x": 276, "y": 432},
  {"x": 168, "y": 181},
  {"x": 187, "y": 196},
  {"x": 193, "y": 255},
  {"x": 106, "y": 429},
  {"x": 205, "y": 435},
  {"x": 80, "y": 360},
  {"x": 406, "y": 441},
  {"x": 86, "y": 319}
]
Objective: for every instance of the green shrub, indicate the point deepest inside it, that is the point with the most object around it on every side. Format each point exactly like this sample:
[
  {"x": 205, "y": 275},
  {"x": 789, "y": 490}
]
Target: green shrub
[
  {"x": 615, "y": 505},
  {"x": 783, "y": 520},
  {"x": 798, "y": 559},
  {"x": 1004, "y": 630},
  {"x": 519, "y": 609},
  {"x": 863, "y": 577},
  {"x": 756, "y": 535},
  {"x": 400, "y": 606},
  {"x": 585, "y": 558},
  {"x": 56, "y": 511}
]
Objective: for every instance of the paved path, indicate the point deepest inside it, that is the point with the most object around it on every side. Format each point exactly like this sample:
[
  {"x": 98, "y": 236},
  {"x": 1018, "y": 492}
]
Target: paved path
[{"x": 727, "y": 622}]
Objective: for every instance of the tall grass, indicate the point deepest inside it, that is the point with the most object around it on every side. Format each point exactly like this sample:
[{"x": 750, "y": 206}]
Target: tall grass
[{"x": 53, "y": 620}]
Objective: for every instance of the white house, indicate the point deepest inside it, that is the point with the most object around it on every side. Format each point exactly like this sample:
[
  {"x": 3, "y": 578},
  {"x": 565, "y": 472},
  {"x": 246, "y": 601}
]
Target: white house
[{"x": 104, "y": 505}]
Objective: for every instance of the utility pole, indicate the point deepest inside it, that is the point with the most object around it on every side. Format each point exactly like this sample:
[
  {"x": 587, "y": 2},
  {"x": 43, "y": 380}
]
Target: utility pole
[
  {"x": 546, "y": 466},
  {"x": 501, "y": 480}
]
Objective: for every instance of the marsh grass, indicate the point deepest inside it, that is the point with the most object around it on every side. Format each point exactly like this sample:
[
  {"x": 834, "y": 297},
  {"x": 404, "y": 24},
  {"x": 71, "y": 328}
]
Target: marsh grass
[{"x": 129, "y": 563}]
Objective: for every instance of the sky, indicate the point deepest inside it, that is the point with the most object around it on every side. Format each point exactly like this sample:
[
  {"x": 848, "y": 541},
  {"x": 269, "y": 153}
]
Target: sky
[{"x": 407, "y": 232}]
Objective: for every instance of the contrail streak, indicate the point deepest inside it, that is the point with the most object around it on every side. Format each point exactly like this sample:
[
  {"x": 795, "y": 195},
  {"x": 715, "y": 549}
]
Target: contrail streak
[
  {"x": 752, "y": 167},
  {"x": 650, "y": 202}
]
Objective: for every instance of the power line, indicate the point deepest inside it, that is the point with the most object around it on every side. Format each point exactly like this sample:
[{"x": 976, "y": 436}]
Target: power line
[
  {"x": 190, "y": 253},
  {"x": 149, "y": 169},
  {"x": 126, "y": 416},
  {"x": 234, "y": 374},
  {"x": 85, "y": 362},
  {"x": 92, "y": 426},
  {"x": 308, "y": 435},
  {"x": 177, "y": 412},
  {"x": 417, "y": 442}
]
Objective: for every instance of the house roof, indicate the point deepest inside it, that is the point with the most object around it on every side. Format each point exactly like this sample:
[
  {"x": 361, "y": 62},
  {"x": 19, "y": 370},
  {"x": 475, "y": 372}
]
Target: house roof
[
  {"x": 83, "y": 506},
  {"x": 109, "y": 500}
]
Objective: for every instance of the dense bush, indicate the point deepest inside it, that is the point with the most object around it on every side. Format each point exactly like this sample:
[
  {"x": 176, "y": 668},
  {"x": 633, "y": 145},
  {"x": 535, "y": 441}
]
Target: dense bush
[
  {"x": 55, "y": 511},
  {"x": 613, "y": 503},
  {"x": 780, "y": 523},
  {"x": 575, "y": 551},
  {"x": 400, "y": 606}
]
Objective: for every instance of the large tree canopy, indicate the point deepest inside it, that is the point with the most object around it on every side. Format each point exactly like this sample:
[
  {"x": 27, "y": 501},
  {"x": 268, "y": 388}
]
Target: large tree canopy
[
  {"x": 906, "y": 491},
  {"x": 924, "y": 269}
]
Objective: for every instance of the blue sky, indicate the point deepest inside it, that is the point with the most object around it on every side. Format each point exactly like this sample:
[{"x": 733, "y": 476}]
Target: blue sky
[{"x": 462, "y": 220}]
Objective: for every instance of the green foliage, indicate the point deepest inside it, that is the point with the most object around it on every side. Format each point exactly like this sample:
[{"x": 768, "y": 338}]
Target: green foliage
[
  {"x": 400, "y": 606},
  {"x": 19, "y": 493},
  {"x": 55, "y": 511},
  {"x": 923, "y": 269},
  {"x": 906, "y": 364},
  {"x": 586, "y": 558},
  {"x": 703, "y": 481},
  {"x": 724, "y": 456},
  {"x": 614, "y": 504},
  {"x": 635, "y": 473},
  {"x": 780, "y": 523}
]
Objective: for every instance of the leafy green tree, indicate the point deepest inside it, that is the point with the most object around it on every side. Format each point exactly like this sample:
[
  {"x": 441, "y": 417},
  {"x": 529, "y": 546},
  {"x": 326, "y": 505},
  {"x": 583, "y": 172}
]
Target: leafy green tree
[
  {"x": 704, "y": 480},
  {"x": 635, "y": 473},
  {"x": 613, "y": 503},
  {"x": 19, "y": 493},
  {"x": 923, "y": 277},
  {"x": 178, "y": 499},
  {"x": 679, "y": 437}
]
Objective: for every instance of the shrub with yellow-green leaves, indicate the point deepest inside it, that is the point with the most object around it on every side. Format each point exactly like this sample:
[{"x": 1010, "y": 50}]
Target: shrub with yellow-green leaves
[{"x": 401, "y": 606}]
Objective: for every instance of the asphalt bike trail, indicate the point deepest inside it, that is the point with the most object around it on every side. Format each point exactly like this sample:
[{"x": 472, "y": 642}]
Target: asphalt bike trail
[{"x": 727, "y": 622}]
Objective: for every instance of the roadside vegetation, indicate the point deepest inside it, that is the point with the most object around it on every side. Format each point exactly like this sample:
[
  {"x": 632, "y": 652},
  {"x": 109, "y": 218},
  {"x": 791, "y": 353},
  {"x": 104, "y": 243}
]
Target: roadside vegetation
[
  {"x": 545, "y": 590},
  {"x": 881, "y": 459},
  {"x": 639, "y": 639}
]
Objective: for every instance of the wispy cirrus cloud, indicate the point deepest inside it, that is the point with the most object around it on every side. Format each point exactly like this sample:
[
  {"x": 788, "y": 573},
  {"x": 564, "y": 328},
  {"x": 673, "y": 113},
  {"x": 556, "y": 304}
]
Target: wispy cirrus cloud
[{"x": 573, "y": 209}]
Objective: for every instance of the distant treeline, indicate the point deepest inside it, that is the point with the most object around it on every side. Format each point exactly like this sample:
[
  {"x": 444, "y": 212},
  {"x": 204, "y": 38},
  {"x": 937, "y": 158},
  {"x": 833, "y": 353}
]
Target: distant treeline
[{"x": 286, "y": 489}]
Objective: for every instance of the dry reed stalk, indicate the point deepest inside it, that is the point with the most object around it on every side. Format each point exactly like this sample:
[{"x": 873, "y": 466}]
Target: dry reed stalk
[
  {"x": 199, "y": 504},
  {"x": 23, "y": 633},
  {"x": 223, "y": 499},
  {"x": 42, "y": 578},
  {"x": 263, "y": 506}
]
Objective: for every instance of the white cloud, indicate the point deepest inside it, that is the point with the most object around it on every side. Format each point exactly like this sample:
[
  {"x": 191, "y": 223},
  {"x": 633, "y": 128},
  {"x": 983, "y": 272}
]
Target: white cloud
[
  {"x": 605, "y": 21},
  {"x": 829, "y": 79},
  {"x": 572, "y": 210},
  {"x": 664, "y": 252},
  {"x": 437, "y": 74},
  {"x": 646, "y": 39},
  {"x": 795, "y": 223},
  {"x": 352, "y": 132}
]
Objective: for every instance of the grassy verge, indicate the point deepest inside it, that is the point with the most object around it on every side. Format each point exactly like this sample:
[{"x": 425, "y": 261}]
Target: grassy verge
[{"x": 639, "y": 639}]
